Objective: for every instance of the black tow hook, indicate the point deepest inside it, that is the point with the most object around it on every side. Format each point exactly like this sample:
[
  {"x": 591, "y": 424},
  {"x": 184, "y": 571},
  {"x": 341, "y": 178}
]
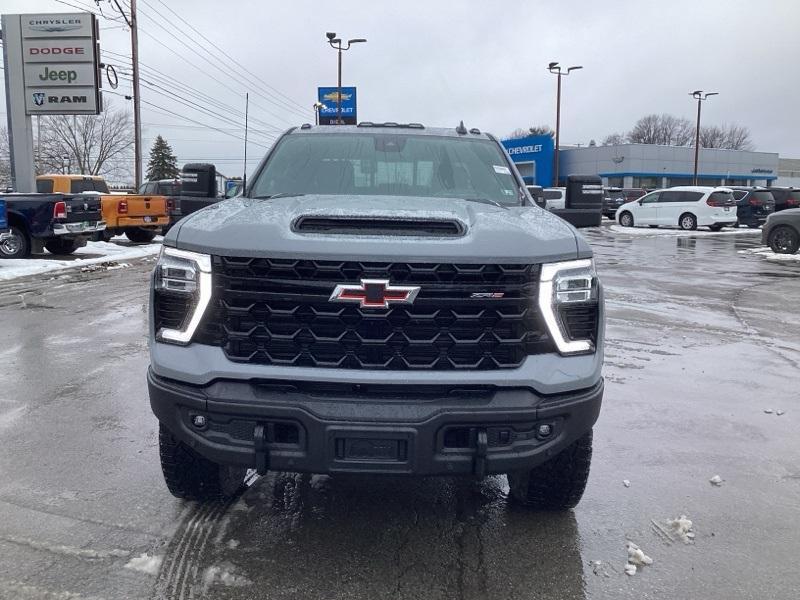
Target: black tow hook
[
  {"x": 261, "y": 436},
  {"x": 481, "y": 447}
]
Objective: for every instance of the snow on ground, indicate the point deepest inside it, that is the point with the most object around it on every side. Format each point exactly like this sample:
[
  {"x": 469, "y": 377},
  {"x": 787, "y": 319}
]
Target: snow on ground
[
  {"x": 93, "y": 253},
  {"x": 652, "y": 231},
  {"x": 145, "y": 563},
  {"x": 765, "y": 252}
]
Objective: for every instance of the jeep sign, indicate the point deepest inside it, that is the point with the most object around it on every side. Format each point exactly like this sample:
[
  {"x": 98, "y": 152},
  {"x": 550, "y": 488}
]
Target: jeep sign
[{"x": 59, "y": 74}]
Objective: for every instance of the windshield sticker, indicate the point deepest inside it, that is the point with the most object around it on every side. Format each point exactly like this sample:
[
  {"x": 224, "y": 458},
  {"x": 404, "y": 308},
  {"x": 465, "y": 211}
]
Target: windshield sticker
[
  {"x": 508, "y": 192},
  {"x": 501, "y": 169}
]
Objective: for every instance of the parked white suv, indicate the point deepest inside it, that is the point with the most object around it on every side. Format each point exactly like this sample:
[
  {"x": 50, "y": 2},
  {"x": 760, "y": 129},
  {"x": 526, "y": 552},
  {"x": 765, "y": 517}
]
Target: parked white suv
[{"x": 687, "y": 207}]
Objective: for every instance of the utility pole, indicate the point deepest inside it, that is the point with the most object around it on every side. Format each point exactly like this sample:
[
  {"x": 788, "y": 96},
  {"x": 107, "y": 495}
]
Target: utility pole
[
  {"x": 555, "y": 69},
  {"x": 137, "y": 113},
  {"x": 699, "y": 96},
  {"x": 246, "y": 111}
]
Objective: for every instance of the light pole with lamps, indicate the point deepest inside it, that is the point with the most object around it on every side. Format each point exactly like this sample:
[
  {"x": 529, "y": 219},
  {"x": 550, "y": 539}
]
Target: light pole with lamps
[
  {"x": 555, "y": 69},
  {"x": 699, "y": 96},
  {"x": 318, "y": 106},
  {"x": 336, "y": 44}
]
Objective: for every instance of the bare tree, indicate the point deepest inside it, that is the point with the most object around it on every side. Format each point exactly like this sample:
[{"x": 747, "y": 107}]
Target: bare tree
[
  {"x": 647, "y": 130},
  {"x": 675, "y": 131},
  {"x": 737, "y": 137},
  {"x": 712, "y": 136},
  {"x": 614, "y": 139},
  {"x": 91, "y": 145},
  {"x": 5, "y": 160},
  {"x": 536, "y": 130}
]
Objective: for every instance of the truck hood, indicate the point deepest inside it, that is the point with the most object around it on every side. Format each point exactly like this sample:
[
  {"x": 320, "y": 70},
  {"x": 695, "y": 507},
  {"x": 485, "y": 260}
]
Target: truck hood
[{"x": 265, "y": 228}]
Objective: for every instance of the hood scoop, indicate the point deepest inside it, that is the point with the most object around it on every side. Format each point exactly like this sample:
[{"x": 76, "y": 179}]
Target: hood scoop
[{"x": 361, "y": 225}]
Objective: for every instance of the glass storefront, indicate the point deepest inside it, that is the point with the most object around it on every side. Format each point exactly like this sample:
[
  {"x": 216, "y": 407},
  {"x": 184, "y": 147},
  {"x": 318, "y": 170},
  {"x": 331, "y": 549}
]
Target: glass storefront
[{"x": 648, "y": 183}]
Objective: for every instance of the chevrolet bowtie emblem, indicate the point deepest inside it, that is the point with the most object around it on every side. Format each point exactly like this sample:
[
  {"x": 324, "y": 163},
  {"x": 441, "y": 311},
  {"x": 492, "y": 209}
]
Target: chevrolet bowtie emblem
[{"x": 375, "y": 293}]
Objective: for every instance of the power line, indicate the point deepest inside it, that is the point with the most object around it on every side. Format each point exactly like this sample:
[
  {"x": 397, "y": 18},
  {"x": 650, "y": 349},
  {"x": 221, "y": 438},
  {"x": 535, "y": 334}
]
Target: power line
[
  {"x": 227, "y": 72},
  {"x": 236, "y": 62}
]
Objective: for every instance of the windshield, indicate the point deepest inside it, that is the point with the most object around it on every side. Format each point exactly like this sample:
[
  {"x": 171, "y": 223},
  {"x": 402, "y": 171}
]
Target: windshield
[{"x": 384, "y": 164}]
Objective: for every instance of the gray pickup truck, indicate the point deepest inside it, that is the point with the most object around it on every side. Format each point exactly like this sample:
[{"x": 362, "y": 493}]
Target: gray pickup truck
[{"x": 384, "y": 299}]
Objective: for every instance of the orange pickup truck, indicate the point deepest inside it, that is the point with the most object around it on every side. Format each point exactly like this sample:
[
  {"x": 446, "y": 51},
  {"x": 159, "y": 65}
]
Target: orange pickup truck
[{"x": 139, "y": 217}]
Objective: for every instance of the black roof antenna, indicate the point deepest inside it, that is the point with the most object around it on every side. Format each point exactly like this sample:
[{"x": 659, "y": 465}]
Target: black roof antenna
[{"x": 461, "y": 130}]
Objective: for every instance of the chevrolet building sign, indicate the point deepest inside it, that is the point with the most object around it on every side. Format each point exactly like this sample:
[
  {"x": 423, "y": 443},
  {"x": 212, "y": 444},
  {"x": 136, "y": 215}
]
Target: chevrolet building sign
[{"x": 60, "y": 64}]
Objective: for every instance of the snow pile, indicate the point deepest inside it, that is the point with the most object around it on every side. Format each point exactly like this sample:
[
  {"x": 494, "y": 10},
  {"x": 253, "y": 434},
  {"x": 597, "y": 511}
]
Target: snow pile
[
  {"x": 225, "y": 574},
  {"x": 144, "y": 563},
  {"x": 636, "y": 559},
  {"x": 768, "y": 254},
  {"x": 652, "y": 232},
  {"x": 716, "y": 480},
  {"x": 86, "y": 258},
  {"x": 626, "y": 483},
  {"x": 682, "y": 527}
]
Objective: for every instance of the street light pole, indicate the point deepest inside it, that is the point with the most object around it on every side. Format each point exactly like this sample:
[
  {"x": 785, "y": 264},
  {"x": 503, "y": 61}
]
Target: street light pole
[
  {"x": 699, "y": 96},
  {"x": 555, "y": 69},
  {"x": 336, "y": 44}
]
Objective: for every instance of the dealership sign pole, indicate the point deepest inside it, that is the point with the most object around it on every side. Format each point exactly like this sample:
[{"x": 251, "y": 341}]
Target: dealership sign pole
[{"x": 51, "y": 68}]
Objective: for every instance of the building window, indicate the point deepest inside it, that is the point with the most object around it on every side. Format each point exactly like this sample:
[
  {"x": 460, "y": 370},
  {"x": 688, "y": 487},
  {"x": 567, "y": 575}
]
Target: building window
[
  {"x": 616, "y": 182},
  {"x": 647, "y": 183},
  {"x": 709, "y": 181},
  {"x": 734, "y": 181},
  {"x": 673, "y": 181}
]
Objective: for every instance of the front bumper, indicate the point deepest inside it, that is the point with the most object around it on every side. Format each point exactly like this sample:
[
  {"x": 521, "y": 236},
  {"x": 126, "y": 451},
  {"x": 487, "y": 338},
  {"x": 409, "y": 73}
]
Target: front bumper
[{"x": 296, "y": 426}]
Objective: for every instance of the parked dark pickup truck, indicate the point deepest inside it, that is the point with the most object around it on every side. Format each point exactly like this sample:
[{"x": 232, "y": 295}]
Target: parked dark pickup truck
[
  {"x": 61, "y": 223},
  {"x": 3, "y": 220}
]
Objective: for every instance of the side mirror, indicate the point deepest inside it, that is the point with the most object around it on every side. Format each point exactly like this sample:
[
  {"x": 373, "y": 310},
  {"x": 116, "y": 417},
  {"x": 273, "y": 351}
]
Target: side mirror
[{"x": 640, "y": 202}]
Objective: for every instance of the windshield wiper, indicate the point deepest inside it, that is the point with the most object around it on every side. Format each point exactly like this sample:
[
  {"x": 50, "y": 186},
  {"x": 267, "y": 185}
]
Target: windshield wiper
[
  {"x": 486, "y": 201},
  {"x": 278, "y": 195}
]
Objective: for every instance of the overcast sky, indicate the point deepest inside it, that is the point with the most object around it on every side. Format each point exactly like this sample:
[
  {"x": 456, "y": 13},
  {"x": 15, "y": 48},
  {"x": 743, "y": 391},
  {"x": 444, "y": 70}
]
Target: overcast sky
[{"x": 440, "y": 62}]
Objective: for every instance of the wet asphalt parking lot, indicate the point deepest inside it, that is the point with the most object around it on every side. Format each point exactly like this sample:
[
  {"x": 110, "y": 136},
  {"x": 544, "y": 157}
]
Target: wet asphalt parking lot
[{"x": 702, "y": 338}]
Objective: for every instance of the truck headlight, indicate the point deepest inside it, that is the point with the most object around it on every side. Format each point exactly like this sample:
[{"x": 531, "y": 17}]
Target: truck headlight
[
  {"x": 181, "y": 294},
  {"x": 568, "y": 300}
]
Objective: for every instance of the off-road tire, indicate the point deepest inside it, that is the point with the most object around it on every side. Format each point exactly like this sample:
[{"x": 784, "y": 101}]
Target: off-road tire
[
  {"x": 557, "y": 484},
  {"x": 61, "y": 246},
  {"x": 784, "y": 239},
  {"x": 192, "y": 477},
  {"x": 687, "y": 222},
  {"x": 17, "y": 247},
  {"x": 139, "y": 235},
  {"x": 626, "y": 219}
]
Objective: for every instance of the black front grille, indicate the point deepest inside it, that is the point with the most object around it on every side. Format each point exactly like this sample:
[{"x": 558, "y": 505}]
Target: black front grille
[
  {"x": 379, "y": 226},
  {"x": 580, "y": 321},
  {"x": 277, "y": 312}
]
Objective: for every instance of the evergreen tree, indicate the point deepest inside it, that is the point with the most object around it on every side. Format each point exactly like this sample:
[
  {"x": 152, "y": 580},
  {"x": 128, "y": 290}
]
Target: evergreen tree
[{"x": 163, "y": 163}]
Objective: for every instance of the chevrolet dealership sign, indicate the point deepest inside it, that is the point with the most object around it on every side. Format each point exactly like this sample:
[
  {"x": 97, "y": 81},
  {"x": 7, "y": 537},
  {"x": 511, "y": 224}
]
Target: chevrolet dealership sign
[{"x": 60, "y": 64}]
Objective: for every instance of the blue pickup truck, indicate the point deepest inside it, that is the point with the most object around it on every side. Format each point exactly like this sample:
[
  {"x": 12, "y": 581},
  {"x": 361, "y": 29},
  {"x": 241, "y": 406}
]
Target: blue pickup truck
[
  {"x": 3, "y": 220},
  {"x": 60, "y": 223}
]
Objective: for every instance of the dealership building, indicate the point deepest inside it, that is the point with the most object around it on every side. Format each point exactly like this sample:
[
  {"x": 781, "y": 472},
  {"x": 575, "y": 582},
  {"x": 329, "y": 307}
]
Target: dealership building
[{"x": 642, "y": 165}]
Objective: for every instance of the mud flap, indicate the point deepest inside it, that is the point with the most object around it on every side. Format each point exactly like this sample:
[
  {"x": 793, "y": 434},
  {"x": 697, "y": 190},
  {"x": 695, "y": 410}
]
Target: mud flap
[
  {"x": 481, "y": 447},
  {"x": 262, "y": 435}
]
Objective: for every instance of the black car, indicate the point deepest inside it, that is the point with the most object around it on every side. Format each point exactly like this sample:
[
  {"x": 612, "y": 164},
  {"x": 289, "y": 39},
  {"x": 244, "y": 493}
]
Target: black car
[
  {"x": 613, "y": 198},
  {"x": 753, "y": 205},
  {"x": 785, "y": 197}
]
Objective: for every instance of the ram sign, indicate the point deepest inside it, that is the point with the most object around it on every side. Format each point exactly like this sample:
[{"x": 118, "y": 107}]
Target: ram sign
[{"x": 327, "y": 96}]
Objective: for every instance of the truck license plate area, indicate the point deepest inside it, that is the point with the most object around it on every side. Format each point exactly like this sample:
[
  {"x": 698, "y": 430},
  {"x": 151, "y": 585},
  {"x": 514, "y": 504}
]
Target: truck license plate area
[{"x": 371, "y": 449}]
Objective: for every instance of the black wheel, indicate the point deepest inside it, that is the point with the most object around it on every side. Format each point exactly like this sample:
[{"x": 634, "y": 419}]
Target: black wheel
[
  {"x": 61, "y": 246},
  {"x": 16, "y": 245},
  {"x": 193, "y": 477},
  {"x": 106, "y": 235},
  {"x": 784, "y": 239},
  {"x": 626, "y": 219},
  {"x": 557, "y": 484},
  {"x": 687, "y": 222},
  {"x": 715, "y": 227},
  {"x": 139, "y": 235}
]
